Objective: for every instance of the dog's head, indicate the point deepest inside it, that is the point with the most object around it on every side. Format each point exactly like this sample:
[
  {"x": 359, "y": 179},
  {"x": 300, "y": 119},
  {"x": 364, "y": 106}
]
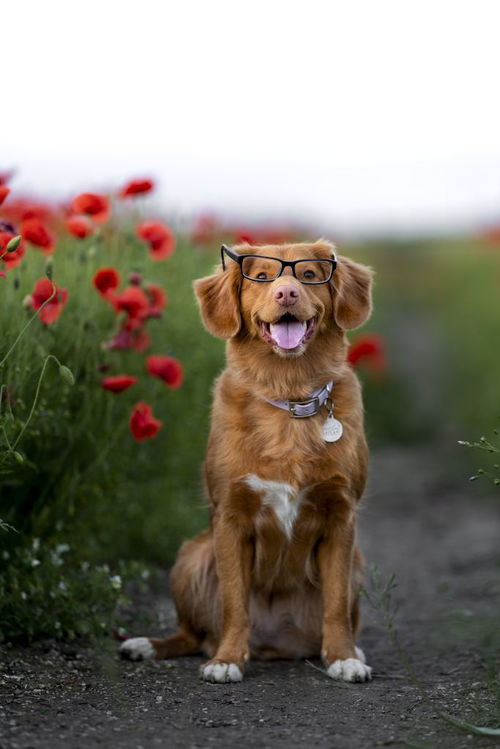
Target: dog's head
[{"x": 287, "y": 311}]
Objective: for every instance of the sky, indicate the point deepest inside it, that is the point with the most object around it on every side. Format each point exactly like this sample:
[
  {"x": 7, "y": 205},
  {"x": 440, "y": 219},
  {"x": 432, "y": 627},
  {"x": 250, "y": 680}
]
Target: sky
[{"x": 363, "y": 116}]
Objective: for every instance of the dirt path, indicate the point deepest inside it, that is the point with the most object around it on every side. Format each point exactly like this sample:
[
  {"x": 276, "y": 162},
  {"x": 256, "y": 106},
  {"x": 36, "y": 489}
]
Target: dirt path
[{"x": 417, "y": 522}]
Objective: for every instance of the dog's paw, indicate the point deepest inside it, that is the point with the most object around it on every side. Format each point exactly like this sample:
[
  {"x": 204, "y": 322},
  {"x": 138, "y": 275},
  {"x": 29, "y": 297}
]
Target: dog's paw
[
  {"x": 352, "y": 669},
  {"x": 137, "y": 649},
  {"x": 219, "y": 672}
]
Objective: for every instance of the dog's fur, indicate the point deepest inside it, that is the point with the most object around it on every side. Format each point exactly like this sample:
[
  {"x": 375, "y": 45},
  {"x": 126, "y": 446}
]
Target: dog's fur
[{"x": 278, "y": 573}]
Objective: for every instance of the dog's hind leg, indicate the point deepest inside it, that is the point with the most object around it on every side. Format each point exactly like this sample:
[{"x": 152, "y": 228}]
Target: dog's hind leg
[{"x": 194, "y": 587}]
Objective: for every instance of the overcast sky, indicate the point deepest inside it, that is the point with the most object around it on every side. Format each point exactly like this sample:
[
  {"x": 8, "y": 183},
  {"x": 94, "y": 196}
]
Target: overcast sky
[{"x": 362, "y": 115}]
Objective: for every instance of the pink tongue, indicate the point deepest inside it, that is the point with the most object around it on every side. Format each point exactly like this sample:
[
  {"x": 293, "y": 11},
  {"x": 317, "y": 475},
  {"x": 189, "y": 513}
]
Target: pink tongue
[{"x": 287, "y": 334}]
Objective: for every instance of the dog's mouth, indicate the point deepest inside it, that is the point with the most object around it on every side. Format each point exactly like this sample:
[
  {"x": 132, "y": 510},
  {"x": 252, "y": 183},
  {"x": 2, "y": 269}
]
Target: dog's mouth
[{"x": 288, "y": 333}]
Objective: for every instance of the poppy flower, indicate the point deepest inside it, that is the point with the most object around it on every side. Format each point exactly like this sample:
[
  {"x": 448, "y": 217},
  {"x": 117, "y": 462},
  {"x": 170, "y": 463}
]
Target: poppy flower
[
  {"x": 142, "y": 423},
  {"x": 136, "y": 187},
  {"x": 159, "y": 236},
  {"x": 367, "y": 350},
  {"x": 130, "y": 339},
  {"x": 4, "y": 191},
  {"x": 157, "y": 296},
  {"x": 118, "y": 383},
  {"x": 79, "y": 226},
  {"x": 42, "y": 291},
  {"x": 157, "y": 300},
  {"x": 141, "y": 340},
  {"x": 166, "y": 368},
  {"x": 133, "y": 301},
  {"x": 10, "y": 259},
  {"x": 34, "y": 231},
  {"x": 24, "y": 208},
  {"x": 106, "y": 280},
  {"x": 93, "y": 205}
]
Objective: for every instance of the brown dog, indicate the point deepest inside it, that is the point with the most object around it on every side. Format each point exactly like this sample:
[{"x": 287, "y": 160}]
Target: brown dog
[{"x": 278, "y": 573}]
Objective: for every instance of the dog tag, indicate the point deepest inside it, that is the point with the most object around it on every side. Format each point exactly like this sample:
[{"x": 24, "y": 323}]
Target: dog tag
[{"x": 332, "y": 429}]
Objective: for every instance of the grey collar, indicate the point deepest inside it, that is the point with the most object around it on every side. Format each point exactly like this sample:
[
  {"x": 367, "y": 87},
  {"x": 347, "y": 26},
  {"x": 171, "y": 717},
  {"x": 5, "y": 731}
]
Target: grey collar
[{"x": 305, "y": 408}]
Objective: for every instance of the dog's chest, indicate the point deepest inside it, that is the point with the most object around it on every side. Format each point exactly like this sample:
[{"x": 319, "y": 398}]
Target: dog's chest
[{"x": 282, "y": 499}]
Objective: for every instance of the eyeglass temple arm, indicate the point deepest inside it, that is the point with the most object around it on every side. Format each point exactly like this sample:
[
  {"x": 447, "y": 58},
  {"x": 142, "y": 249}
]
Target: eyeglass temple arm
[{"x": 232, "y": 255}]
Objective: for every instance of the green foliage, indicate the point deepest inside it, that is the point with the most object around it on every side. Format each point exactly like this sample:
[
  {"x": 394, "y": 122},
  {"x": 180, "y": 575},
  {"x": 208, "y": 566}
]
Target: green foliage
[
  {"x": 47, "y": 591},
  {"x": 493, "y": 473}
]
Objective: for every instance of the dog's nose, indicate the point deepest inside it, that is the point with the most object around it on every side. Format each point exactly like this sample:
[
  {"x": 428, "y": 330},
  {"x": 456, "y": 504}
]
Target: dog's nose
[{"x": 286, "y": 295}]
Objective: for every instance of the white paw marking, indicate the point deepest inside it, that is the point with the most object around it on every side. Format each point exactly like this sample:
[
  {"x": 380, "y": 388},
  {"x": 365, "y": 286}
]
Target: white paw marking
[
  {"x": 137, "y": 649},
  {"x": 283, "y": 498},
  {"x": 351, "y": 669},
  {"x": 360, "y": 654},
  {"x": 220, "y": 673}
]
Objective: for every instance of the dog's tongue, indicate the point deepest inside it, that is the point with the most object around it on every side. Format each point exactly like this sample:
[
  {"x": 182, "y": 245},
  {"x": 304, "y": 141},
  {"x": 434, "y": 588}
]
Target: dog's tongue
[{"x": 288, "y": 334}]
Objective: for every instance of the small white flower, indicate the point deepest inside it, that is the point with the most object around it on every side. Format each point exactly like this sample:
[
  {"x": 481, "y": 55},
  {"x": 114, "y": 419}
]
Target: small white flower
[
  {"x": 24, "y": 595},
  {"x": 35, "y": 562},
  {"x": 61, "y": 548},
  {"x": 62, "y": 585},
  {"x": 116, "y": 582},
  {"x": 36, "y": 544}
]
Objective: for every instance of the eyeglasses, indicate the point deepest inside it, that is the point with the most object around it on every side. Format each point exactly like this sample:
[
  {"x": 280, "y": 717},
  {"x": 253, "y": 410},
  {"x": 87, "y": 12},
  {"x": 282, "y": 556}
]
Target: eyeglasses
[{"x": 263, "y": 269}]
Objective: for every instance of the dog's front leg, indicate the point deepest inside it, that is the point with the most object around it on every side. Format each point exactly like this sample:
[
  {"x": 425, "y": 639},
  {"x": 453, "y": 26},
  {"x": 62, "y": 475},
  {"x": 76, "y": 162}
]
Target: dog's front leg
[
  {"x": 233, "y": 556},
  {"x": 335, "y": 562}
]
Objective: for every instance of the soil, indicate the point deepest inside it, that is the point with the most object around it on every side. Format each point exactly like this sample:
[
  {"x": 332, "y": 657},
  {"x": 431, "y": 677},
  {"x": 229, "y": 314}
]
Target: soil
[{"x": 420, "y": 520}]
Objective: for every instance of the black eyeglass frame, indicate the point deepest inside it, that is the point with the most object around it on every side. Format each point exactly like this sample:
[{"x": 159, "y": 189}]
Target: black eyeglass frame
[{"x": 284, "y": 264}]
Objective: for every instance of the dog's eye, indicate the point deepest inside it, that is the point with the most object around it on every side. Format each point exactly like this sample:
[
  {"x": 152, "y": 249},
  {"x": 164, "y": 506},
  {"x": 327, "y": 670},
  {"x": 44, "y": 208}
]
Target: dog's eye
[
  {"x": 309, "y": 275},
  {"x": 261, "y": 276}
]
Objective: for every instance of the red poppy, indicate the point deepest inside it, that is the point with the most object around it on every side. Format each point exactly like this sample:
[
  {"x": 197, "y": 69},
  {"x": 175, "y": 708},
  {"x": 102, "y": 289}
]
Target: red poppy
[
  {"x": 156, "y": 295},
  {"x": 106, "y": 280},
  {"x": 21, "y": 209},
  {"x": 368, "y": 350},
  {"x": 34, "y": 231},
  {"x": 93, "y": 205},
  {"x": 136, "y": 187},
  {"x": 159, "y": 236},
  {"x": 42, "y": 291},
  {"x": 79, "y": 226},
  {"x": 166, "y": 368},
  {"x": 133, "y": 301},
  {"x": 4, "y": 191},
  {"x": 141, "y": 340},
  {"x": 126, "y": 339},
  {"x": 10, "y": 259},
  {"x": 143, "y": 425},
  {"x": 118, "y": 383}
]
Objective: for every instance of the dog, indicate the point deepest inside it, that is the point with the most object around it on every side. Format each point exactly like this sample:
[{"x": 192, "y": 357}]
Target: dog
[{"x": 278, "y": 573}]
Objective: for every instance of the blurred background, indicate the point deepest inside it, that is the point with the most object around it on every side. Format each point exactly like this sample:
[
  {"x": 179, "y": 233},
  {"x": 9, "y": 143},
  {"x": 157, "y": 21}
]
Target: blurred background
[{"x": 375, "y": 125}]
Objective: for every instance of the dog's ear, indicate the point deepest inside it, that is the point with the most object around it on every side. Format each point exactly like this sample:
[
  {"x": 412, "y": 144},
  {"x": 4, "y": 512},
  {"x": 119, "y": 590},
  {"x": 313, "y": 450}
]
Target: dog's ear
[
  {"x": 352, "y": 298},
  {"x": 218, "y": 297}
]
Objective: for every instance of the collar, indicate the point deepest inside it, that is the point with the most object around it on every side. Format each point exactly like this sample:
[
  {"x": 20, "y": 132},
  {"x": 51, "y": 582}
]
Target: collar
[{"x": 305, "y": 408}]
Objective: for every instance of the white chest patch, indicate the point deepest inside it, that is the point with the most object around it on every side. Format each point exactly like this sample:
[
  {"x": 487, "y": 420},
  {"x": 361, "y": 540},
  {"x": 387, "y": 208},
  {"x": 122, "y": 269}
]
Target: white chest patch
[{"x": 281, "y": 497}]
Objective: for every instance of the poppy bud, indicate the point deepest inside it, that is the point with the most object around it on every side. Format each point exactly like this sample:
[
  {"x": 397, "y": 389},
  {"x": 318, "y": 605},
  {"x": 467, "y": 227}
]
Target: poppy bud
[
  {"x": 66, "y": 374},
  {"x": 48, "y": 269},
  {"x": 18, "y": 456},
  {"x": 14, "y": 243},
  {"x": 135, "y": 278}
]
